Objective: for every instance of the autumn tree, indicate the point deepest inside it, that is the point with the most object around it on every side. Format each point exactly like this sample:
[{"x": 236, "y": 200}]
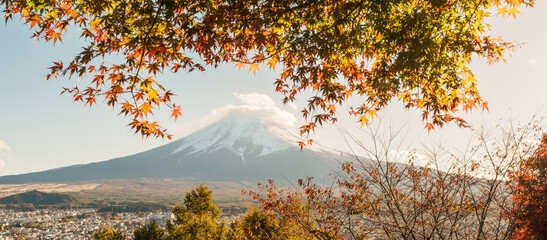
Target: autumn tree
[
  {"x": 530, "y": 198},
  {"x": 390, "y": 192},
  {"x": 197, "y": 218},
  {"x": 109, "y": 233},
  {"x": 257, "y": 224},
  {"x": 150, "y": 231},
  {"x": 416, "y": 52}
]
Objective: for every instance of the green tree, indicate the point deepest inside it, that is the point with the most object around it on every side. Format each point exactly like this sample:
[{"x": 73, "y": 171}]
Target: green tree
[
  {"x": 256, "y": 224},
  {"x": 109, "y": 233},
  {"x": 197, "y": 218},
  {"x": 150, "y": 231},
  {"x": 416, "y": 52}
]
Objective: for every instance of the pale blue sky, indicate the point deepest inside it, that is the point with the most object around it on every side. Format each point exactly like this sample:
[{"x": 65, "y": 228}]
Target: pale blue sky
[{"x": 41, "y": 130}]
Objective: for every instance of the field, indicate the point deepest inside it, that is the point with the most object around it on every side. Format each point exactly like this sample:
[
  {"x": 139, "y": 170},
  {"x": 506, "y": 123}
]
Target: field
[{"x": 227, "y": 195}]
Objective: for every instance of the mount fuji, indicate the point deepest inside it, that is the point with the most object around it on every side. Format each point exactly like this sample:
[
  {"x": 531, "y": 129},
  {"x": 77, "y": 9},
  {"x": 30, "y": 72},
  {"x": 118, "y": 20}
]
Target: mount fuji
[{"x": 241, "y": 147}]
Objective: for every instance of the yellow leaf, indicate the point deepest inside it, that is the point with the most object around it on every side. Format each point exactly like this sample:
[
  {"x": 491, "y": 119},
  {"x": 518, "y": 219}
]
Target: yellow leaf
[
  {"x": 152, "y": 94},
  {"x": 254, "y": 68},
  {"x": 240, "y": 65}
]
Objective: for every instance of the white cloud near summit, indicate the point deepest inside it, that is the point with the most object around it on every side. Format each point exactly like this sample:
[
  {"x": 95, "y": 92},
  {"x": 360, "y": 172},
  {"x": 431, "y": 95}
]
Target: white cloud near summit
[
  {"x": 261, "y": 106},
  {"x": 256, "y": 104},
  {"x": 260, "y": 101},
  {"x": 255, "y": 100}
]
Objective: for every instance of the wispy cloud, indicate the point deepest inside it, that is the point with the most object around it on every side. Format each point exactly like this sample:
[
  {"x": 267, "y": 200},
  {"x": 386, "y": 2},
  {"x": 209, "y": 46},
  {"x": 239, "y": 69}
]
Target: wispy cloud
[
  {"x": 4, "y": 149},
  {"x": 292, "y": 105}
]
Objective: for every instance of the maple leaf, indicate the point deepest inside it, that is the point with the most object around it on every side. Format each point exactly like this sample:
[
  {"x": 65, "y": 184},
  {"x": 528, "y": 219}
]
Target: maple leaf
[
  {"x": 240, "y": 65},
  {"x": 127, "y": 108},
  {"x": 145, "y": 109},
  {"x": 152, "y": 94},
  {"x": 90, "y": 101},
  {"x": 176, "y": 112},
  {"x": 254, "y": 67}
]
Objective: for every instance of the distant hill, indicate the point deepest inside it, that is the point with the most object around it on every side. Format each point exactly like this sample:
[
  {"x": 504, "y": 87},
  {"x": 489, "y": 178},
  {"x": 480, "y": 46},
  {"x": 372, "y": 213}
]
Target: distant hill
[
  {"x": 239, "y": 148},
  {"x": 136, "y": 207},
  {"x": 38, "y": 198}
]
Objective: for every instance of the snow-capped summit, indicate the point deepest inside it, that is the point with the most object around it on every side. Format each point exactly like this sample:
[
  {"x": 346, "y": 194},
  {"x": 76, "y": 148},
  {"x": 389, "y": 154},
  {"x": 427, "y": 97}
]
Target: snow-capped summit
[
  {"x": 241, "y": 133},
  {"x": 243, "y": 146},
  {"x": 244, "y": 134}
]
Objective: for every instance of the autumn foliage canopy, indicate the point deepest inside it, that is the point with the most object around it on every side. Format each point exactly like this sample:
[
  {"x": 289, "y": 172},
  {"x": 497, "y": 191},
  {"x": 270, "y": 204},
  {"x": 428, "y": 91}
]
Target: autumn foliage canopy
[
  {"x": 530, "y": 199},
  {"x": 415, "y": 52}
]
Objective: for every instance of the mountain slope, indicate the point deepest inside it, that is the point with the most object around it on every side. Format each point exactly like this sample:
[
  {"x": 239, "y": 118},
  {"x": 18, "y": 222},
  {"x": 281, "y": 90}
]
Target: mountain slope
[{"x": 240, "y": 147}]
